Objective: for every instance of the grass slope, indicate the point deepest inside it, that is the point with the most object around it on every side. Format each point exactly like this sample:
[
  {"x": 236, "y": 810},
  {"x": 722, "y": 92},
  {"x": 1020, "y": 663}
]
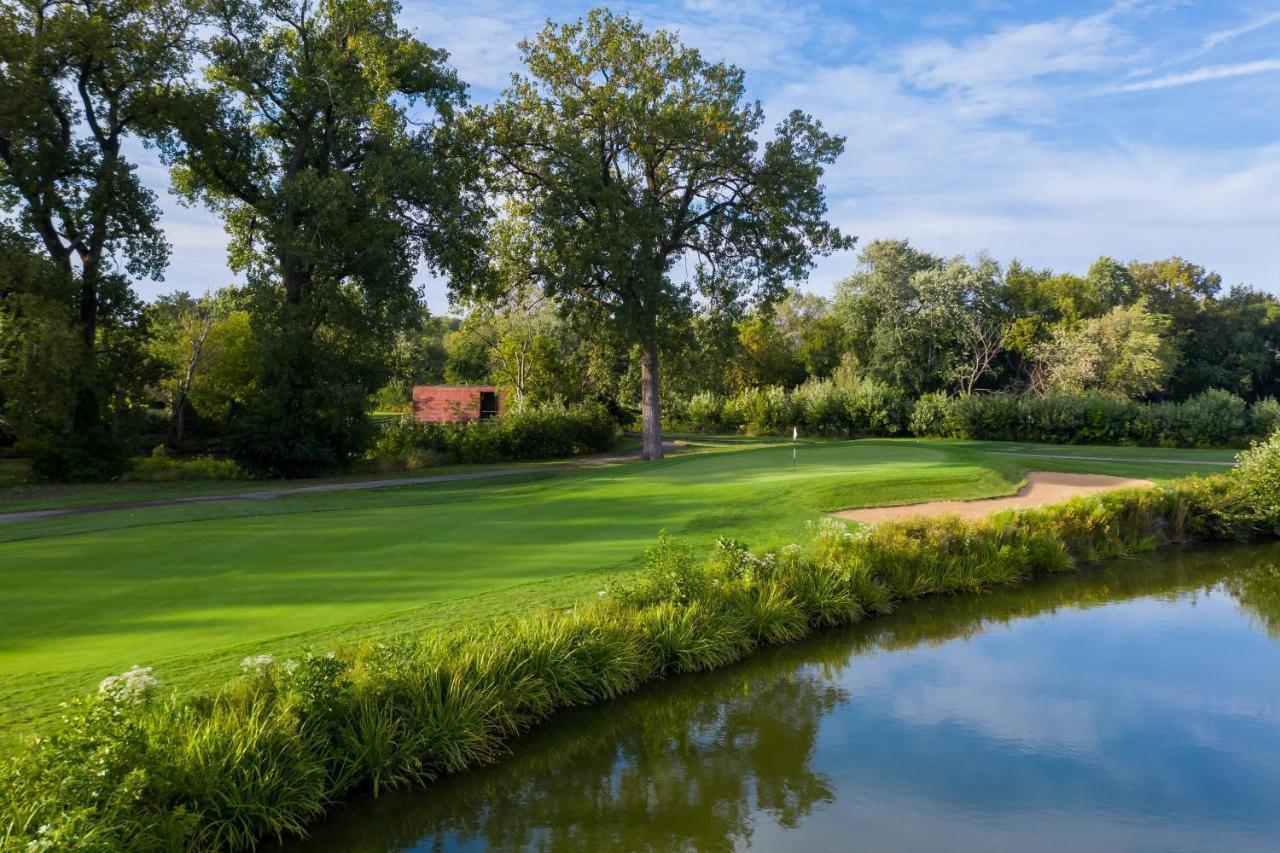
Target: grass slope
[{"x": 191, "y": 589}]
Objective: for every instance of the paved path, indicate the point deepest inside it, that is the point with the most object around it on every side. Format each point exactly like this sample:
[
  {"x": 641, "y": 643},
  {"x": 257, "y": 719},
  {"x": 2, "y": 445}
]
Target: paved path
[
  {"x": 271, "y": 494},
  {"x": 1111, "y": 458}
]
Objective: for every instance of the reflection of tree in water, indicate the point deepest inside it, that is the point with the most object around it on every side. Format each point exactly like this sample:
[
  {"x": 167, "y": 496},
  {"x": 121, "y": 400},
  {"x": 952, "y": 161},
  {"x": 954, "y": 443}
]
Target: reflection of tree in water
[
  {"x": 688, "y": 765},
  {"x": 1257, "y": 588},
  {"x": 695, "y": 763}
]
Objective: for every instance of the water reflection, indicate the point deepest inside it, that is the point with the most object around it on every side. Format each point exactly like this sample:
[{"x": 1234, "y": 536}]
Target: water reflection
[{"x": 1134, "y": 707}]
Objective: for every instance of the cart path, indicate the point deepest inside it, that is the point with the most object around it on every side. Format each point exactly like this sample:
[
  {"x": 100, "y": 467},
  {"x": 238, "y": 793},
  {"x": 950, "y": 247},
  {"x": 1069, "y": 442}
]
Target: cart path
[
  {"x": 355, "y": 485},
  {"x": 1042, "y": 488}
]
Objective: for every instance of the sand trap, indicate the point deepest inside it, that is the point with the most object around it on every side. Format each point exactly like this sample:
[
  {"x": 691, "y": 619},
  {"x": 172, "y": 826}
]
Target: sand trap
[{"x": 1042, "y": 488}]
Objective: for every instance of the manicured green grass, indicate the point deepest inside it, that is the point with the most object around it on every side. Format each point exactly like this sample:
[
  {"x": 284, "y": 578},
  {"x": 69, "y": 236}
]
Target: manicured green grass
[{"x": 191, "y": 589}]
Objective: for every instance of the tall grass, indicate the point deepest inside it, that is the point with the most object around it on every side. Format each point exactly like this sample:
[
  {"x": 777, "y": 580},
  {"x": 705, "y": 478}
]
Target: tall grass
[{"x": 129, "y": 769}]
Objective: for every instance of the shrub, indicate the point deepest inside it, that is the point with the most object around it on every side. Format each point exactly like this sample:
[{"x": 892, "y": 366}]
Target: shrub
[
  {"x": 1257, "y": 482},
  {"x": 928, "y": 418},
  {"x": 705, "y": 412},
  {"x": 160, "y": 468},
  {"x": 824, "y": 407},
  {"x": 762, "y": 410},
  {"x": 877, "y": 409},
  {"x": 542, "y": 431},
  {"x": 1264, "y": 417},
  {"x": 1215, "y": 418}
]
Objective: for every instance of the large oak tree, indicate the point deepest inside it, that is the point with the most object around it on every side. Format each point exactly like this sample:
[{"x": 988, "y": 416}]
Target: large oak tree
[{"x": 637, "y": 168}]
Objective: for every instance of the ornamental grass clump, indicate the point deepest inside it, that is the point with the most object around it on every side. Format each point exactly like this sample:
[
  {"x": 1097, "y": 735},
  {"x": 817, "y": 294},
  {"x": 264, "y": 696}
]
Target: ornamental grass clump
[{"x": 260, "y": 758}]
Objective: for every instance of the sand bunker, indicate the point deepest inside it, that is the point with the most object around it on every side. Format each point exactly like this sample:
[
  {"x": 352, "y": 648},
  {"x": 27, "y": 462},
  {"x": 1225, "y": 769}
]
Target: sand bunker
[{"x": 1042, "y": 488}]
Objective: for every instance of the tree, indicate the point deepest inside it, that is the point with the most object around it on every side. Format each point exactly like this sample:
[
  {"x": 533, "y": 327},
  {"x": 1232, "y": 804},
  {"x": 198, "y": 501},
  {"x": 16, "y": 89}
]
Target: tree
[
  {"x": 205, "y": 350},
  {"x": 1233, "y": 342},
  {"x": 1124, "y": 353},
  {"x": 322, "y": 137},
  {"x": 909, "y": 316},
  {"x": 419, "y": 356},
  {"x": 79, "y": 77},
  {"x": 523, "y": 341},
  {"x": 627, "y": 153},
  {"x": 983, "y": 338}
]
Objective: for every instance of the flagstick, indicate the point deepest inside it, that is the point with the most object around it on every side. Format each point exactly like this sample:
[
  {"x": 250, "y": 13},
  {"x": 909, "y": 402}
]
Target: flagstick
[{"x": 795, "y": 433}]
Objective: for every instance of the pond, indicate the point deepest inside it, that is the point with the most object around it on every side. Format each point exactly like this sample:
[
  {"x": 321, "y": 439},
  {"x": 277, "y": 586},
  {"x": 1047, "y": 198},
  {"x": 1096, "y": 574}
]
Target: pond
[{"x": 1131, "y": 707}]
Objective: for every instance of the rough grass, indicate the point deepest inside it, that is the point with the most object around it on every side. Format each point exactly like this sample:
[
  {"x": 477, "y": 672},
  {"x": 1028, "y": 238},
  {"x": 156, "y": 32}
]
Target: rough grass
[{"x": 193, "y": 589}]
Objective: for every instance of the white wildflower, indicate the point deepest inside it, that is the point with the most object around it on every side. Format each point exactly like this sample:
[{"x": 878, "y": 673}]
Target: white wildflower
[
  {"x": 256, "y": 664},
  {"x": 131, "y": 686}
]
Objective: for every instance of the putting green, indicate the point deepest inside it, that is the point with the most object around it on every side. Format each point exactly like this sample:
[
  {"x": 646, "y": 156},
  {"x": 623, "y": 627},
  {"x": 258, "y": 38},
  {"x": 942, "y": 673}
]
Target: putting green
[{"x": 191, "y": 589}]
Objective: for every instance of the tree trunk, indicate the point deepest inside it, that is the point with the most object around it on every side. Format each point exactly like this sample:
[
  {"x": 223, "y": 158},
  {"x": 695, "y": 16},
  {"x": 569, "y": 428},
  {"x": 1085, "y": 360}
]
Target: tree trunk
[{"x": 650, "y": 408}]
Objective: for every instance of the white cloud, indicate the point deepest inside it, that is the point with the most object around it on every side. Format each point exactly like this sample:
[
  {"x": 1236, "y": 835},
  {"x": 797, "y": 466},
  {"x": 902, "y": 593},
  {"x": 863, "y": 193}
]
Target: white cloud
[
  {"x": 1220, "y": 37},
  {"x": 954, "y": 183},
  {"x": 1006, "y": 70},
  {"x": 1200, "y": 75}
]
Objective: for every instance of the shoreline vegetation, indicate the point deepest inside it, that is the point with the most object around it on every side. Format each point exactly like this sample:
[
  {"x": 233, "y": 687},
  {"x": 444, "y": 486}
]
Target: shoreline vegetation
[{"x": 129, "y": 768}]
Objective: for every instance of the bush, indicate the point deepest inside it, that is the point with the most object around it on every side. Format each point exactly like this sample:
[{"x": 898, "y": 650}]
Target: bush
[
  {"x": 705, "y": 412},
  {"x": 762, "y": 410},
  {"x": 129, "y": 769},
  {"x": 877, "y": 409},
  {"x": 91, "y": 456},
  {"x": 540, "y": 431},
  {"x": 1215, "y": 418},
  {"x": 158, "y": 468},
  {"x": 824, "y": 407},
  {"x": 928, "y": 417},
  {"x": 1264, "y": 417},
  {"x": 1257, "y": 483}
]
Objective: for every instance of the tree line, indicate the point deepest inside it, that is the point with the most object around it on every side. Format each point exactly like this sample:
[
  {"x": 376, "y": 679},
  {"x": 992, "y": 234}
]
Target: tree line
[
  {"x": 342, "y": 155},
  {"x": 618, "y": 225}
]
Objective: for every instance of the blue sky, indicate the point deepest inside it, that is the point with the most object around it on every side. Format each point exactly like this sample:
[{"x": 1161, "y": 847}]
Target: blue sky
[{"x": 1053, "y": 132}]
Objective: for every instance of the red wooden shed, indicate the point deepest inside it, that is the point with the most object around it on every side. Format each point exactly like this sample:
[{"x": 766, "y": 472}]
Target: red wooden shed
[{"x": 456, "y": 403}]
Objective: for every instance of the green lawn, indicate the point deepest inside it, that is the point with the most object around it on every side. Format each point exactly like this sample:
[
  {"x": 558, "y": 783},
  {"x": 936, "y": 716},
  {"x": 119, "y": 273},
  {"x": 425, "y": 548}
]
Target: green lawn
[{"x": 192, "y": 589}]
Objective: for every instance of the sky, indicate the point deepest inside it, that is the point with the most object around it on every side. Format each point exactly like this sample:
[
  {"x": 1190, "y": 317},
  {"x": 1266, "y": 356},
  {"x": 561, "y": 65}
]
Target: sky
[{"x": 1051, "y": 132}]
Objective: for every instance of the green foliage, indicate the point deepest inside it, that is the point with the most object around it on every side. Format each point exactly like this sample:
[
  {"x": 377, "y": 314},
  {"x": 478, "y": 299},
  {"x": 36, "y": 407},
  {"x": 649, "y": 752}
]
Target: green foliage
[
  {"x": 1213, "y": 419},
  {"x": 535, "y": 431},
  {"x": 929, "y": 415},
  {"x": 1264, "y": 416},
  {"x": 1257, "y": 482},
  {"x": 762, "y": 410},
  {"x": 705, "y": 412},
  {"x": 911, "y": 316},
  {"x": 159, "y": 468},
  {"x": 204, "y": 353},
  {"x": 1127, "y": 352},
  {"x": 129, "y": 769}
]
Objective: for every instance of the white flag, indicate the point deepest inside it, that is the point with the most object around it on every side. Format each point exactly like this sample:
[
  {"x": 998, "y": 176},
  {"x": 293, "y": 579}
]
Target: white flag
[{"x": 795, "y": 433}]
